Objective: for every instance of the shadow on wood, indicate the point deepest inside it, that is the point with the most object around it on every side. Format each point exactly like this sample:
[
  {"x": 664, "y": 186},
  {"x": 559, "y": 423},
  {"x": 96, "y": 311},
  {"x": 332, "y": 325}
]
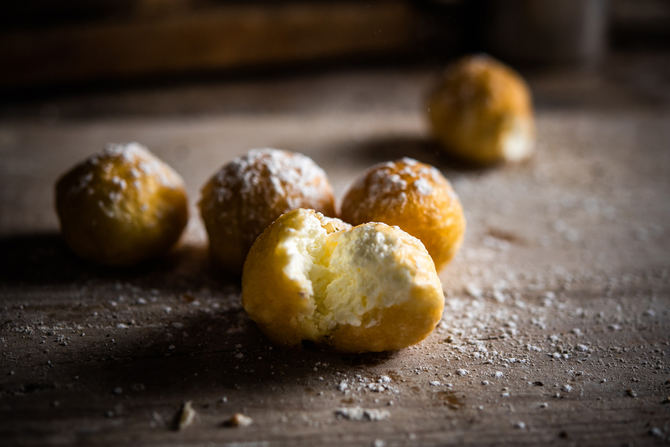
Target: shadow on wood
[
  {"x": 207, "y": 357},
  {"x": 43, "y": 259},
  {"x": 393, "y": 147}
]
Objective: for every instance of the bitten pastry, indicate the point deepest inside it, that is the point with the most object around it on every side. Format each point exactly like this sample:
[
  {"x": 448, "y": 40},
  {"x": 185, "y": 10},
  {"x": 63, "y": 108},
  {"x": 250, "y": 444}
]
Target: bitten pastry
[
  {"x": 250, "y": 192},
  {"x": 122, "y": 206},
  {"x": 481, "y": 111},
  {"x": 413, "y": 196},
  {"x": 367, "y": 288}
]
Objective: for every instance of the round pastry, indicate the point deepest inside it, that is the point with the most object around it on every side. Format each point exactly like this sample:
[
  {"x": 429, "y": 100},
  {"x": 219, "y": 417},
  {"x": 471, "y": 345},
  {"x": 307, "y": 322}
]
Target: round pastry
[
  {"x": 368, "y": 288},
  {"x": 250, "y": 192},
  {"x": 122, "y": 206},
  {"x": 413, "y": 196},
  {"x": 481, "y": 111}
]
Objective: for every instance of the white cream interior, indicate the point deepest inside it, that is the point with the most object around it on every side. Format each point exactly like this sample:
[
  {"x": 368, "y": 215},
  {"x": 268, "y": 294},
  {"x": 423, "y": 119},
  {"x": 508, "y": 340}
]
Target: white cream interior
[
  {"x": 517, "y": 141},
  {"x": 344, "y": 275}
]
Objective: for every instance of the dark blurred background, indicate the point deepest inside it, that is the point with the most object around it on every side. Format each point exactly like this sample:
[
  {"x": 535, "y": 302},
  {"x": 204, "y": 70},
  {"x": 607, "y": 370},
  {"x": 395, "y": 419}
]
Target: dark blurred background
[{"x": 48, "y": 47}]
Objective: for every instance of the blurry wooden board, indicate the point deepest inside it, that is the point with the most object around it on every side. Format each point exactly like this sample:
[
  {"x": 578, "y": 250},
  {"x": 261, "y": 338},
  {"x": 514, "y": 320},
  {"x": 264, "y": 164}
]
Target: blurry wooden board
[
  {"x": 219, "y": 36},
  {"x": 557, "y": 319}
]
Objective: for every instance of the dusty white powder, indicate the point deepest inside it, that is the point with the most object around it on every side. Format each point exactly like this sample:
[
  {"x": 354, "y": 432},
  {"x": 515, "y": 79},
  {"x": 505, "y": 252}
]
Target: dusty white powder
[
  {"x": 251, "y": 191},
  {"x": 109, "y": 171},
  {"x": 362, "y": 414},
  {"x": 290, "y": 175},
  {"x": 392, "y": 185},
  {"x": 423, "y": 186}
]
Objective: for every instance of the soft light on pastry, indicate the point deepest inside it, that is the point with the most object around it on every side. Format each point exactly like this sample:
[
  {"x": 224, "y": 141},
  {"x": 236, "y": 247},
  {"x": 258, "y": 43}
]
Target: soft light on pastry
[
  {"x": 122, "y": 206},
  {"x": 250, "y": 192},
  {"x": 414, "y": 196},
  {"x": 481, "y": 111},
  {"x": 367, "y": 288}
]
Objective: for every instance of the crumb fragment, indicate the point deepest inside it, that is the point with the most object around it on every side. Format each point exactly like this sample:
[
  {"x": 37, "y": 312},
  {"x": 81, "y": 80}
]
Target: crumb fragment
[
  {"x": 185, "y": 416},
  {"x": 238, "y": 420},
  {"x": 656, "y": 432},
  {"x": 474, "y": 291},
  {"x": 156, "y": 420}
]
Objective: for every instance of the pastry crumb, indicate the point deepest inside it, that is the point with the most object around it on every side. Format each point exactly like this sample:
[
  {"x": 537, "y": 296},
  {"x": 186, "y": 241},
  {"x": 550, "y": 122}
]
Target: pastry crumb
[
  {"x": 185, "y": 416},
  {"x": 238, "y": 420}
]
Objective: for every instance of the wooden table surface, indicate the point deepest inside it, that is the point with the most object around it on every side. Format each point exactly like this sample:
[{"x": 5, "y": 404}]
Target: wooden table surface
[{"x": 557, "y": 321}]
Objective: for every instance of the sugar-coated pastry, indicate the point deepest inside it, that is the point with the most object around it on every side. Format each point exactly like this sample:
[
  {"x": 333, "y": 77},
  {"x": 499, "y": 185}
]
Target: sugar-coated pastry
[
  {"x": 372, "y": 287},
  {"x": 481, "y": 110},
  {"x": 250, "y": 192},
  {"x": 414, "y": 196},
  {"x": 121, "y": 206}
]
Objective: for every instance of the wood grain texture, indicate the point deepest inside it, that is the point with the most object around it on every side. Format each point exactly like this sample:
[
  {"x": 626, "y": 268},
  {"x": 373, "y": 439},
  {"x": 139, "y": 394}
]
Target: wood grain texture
[
  {"x": 236, "y": 35},
  {"x": 557, "y": 317}
]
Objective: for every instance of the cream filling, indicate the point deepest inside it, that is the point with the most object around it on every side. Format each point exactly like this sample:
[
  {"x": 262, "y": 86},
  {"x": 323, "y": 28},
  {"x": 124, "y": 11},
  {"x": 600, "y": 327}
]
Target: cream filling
[
  {"x": 344, "y": 275},
  {"x": 517, "y": 142}
]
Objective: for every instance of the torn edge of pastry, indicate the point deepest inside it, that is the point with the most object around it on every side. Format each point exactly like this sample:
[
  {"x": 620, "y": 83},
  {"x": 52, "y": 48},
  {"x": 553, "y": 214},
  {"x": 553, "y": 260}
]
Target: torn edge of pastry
[
  {"x": 517, "y": 142},
  {"x": 372, "y": 287}
]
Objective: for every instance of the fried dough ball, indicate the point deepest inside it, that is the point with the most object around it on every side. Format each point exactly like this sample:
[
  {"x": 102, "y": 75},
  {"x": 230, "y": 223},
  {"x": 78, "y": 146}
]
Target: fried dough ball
[
  {"x": 122, "y": 206},
  {"x": 250, "y": 192},
  {"x": 368, "y": 288},
  {"x": 414, "y": 196},
  {"x": 481, "y": 111}
]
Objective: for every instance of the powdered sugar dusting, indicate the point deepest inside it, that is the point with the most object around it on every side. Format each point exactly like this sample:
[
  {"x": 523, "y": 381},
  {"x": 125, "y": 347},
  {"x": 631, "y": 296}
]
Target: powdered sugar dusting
[
  {"x": 119, "y": 167},
  {"x": 128, "y": 151},
  {"x": 285, "y": 171},
  {"x": 423, "y": 186},
  {"x": 138, "y": 161},
  {"x": 362, "y": 414},
  {"x": 391, "y": 185},
  {"x": 251, "y": 191}
]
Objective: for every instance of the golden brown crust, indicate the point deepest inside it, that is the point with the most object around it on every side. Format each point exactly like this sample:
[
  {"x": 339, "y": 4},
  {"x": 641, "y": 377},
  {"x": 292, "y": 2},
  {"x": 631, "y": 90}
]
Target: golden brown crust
[
  {"x": 399, "y": 326},
  {"x": 122, "y": 206},
  {"x": 481, "y": 111},
  {"x": 413, "y": 196},
  {"x": 249, "y": 193}
]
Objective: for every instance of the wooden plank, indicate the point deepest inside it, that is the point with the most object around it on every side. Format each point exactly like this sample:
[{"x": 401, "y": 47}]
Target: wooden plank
[
  {"x": 231, "y": 36},
  {"x": 569, "y": 252}
]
